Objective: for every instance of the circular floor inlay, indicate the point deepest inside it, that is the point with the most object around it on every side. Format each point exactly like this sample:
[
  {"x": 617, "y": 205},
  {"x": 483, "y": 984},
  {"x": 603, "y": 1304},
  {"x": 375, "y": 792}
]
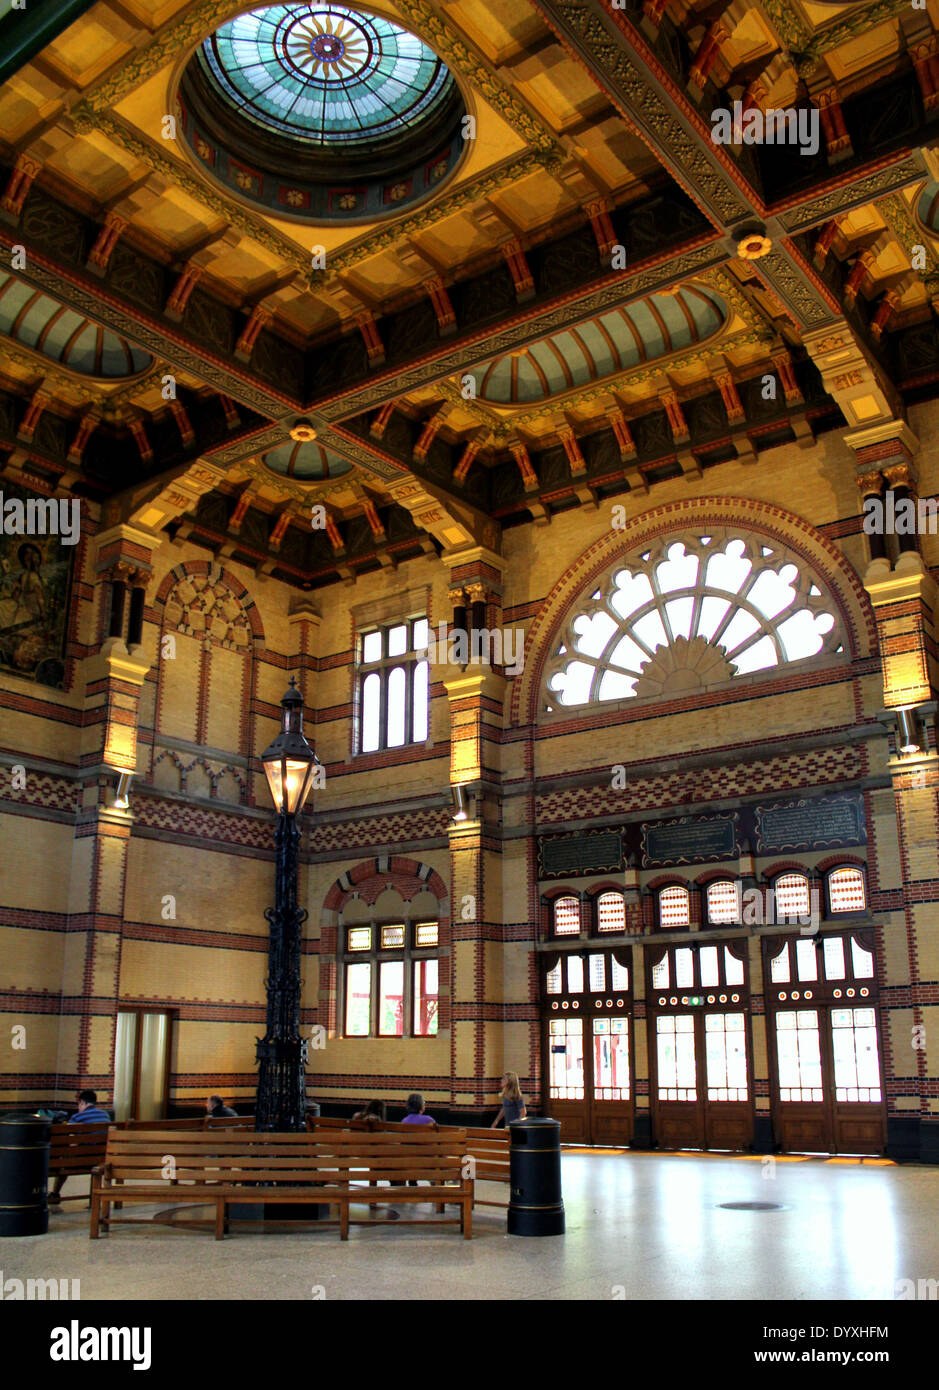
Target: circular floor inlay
[{"x": 753, "y": 1206}]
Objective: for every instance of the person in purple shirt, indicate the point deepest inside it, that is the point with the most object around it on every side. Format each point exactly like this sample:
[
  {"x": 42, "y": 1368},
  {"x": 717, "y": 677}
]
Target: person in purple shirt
[
  {"x": 88, "y": 1112},
  {"x": 415, "y": 1115}
]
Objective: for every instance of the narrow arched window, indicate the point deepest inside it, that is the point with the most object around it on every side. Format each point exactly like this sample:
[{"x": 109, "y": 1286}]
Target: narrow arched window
[
  {"x": 611, "y": 912},
  {"x": 792, "y": 896},
  {"x": 846, "y": 892},
  {"x": 723, "y": 901},
  {"x": 566, "y": 916},
  {"x": 674, "y": 906}
]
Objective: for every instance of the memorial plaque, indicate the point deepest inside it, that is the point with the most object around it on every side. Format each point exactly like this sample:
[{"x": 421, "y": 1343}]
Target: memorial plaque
[
  {"x": 587, "y": 852},
  {"x": 817, "y": 823},
  {"x": 691, "y": 840}
]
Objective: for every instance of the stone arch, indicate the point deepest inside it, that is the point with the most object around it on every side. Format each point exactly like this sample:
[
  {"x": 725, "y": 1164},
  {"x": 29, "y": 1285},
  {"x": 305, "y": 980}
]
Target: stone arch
[
  {"x": 201, "y": 599},
  {"x": 804, "y": 541}
]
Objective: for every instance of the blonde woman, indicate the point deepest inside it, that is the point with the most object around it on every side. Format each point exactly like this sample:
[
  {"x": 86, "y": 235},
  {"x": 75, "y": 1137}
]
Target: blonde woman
[{"x": 513, "y": 1102}]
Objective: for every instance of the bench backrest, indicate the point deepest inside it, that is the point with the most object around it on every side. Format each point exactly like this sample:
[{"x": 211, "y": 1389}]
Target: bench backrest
[
  {"x": 76, "y": 1148},
  {"x": 489, "y": 1148},
  {"x": 220, "y": 1156}
]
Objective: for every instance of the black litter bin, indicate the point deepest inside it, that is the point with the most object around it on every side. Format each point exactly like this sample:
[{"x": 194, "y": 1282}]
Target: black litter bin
[
  {"x": 535, "y": 1205},
  {"x": 24, "y": 1171}
]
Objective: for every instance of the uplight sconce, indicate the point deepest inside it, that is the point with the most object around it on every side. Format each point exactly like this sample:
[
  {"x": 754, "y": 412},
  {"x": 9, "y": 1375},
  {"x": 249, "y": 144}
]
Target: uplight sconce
[
  {"x": 910, "y": 724},
  {"x": 464, "y": 807},
  {"x": 910, "y": 735},
  {"x": 122, "y": 795}
]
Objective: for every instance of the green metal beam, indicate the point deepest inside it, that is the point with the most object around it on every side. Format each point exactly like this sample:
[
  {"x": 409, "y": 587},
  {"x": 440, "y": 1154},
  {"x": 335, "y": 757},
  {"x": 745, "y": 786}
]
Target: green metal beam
[{"x": 27, "y": 28}]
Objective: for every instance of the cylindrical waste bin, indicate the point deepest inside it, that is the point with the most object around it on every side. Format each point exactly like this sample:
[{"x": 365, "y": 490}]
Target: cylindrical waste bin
[
  {"x": 535, "y": 1206},
  {"x": 24, "y": 1170}
]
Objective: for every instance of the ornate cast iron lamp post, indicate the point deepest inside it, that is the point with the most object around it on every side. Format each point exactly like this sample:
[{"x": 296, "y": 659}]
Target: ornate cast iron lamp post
[{"x": 289, "y": 765}]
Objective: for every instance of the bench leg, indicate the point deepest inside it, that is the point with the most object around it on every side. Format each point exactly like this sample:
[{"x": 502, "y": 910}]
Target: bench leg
[
  {"x": 93, "y": 1229},
  {"x": 466, "y": 1221},
  {"x": 343, "y": 1219},
  {"x": 220, "y": 1218}
]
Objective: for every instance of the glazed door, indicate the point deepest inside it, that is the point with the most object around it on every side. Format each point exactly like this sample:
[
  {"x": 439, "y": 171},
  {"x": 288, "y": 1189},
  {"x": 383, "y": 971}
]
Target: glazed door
[
  {"x": 825, "y": 1053},
  {"x": 701, "y": 1065},
  {"x": 588, "y": 1040}
]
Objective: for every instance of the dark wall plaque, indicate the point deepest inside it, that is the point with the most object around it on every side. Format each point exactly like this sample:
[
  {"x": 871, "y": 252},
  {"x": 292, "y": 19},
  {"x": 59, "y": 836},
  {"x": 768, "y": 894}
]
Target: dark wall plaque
[
  {"x": 587, "y": 852},
  {"x": 811, "y": 824},
  {"x": 691, "y": 840}
]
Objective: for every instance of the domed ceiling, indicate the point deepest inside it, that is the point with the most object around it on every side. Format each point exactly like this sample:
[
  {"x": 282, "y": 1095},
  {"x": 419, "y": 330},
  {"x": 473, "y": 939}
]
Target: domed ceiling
[
  {"x": 604, "y": 346},
  {"x": 42, "y": 323},
  {"x": 321, "y": 111},
  {"x": 307, "y": 462},
  {"x": 927, "y": 206}
]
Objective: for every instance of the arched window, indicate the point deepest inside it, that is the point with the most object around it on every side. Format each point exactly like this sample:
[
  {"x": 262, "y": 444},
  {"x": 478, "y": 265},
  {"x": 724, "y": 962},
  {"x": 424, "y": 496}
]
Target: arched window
[
  {"x": 674, "y": 906},
  {"x": 792, "y": 896},
  {"x": 689, "y": 614},
  {"x": 566, "y": 916},
  {"x": 846, "y": 891},
  {"x": 611, "y": 912},
  {"x": 723, "y": 901}
]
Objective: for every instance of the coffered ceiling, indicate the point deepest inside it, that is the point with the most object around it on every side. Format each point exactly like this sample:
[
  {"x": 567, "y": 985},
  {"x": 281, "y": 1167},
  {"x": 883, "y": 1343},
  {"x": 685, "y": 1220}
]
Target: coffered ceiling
[{"x": 581, "y": 298}]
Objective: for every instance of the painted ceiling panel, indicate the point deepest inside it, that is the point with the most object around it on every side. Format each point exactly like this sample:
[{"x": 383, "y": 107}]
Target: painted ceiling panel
[
  {"x": 655, "y": 327},
  {"x": 307, "y": 461},
  {"x": 40, "y": 322}
]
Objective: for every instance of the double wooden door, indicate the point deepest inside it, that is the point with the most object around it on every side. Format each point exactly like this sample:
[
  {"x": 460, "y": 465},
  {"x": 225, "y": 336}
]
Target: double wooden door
[
  {"x": 825, "y": 1049},
  {"x": 701, "y": 1064},
  {"x": 589, "y": 1045}
]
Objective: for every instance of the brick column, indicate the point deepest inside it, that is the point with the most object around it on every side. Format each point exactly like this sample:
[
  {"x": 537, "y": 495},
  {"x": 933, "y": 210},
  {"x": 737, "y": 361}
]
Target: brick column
[{"x": 113, "y": 679}]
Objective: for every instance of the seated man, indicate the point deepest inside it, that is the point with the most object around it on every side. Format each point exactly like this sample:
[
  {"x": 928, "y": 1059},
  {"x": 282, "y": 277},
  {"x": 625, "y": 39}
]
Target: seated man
[
  {"x": 88, "y": 1112},
  {"x": 218, "y": 1110},
  {"x": 416, "y": 1116}
]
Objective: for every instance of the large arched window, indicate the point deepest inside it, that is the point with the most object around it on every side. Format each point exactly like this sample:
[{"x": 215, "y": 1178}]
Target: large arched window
[{"x": 687, "y": 614}]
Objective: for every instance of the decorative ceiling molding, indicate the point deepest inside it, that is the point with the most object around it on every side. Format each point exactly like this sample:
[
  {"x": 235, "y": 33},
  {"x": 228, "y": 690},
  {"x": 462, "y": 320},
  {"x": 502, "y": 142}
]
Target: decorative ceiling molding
[
  {"x": 893, "y": 176},
  {"x": 807, "y": 45},
  {"x": 910, "y": 232}
]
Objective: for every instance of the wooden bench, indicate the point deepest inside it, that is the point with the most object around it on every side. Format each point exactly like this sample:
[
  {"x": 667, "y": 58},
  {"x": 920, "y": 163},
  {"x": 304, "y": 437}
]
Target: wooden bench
[
  {"x": 489, "y": 1148},
  {"x": 341, "y": 1168}
]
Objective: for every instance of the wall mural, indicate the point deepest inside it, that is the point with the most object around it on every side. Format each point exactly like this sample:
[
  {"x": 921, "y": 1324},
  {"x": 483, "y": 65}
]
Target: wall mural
[{"x": 35, "y": 578}]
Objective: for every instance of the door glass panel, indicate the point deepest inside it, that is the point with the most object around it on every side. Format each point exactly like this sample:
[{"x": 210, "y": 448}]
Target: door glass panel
[
  {"x": 733, "y": 968},
  {"x": 596, "y": 969},
  {"x": 854, "y": 1047},
  {"x": 610, "y": 1059},
  {"x": 566, "y": 1043},
  {"x": 153, "y": 1033},
  {"x": 806, "y": 960},
  {"x": 553, "y": 979},
  {"x": 707, "y": 957},
  {"x": 684, "y": 968},
  {"x": 676, "y": 1064},
  {"x": 660, "y": 973},
  {"x": 124, "y": 1051},
  {"x": 798, "y": 1055},
  {"x": 726, "y": 1056},
  {"x": 620, "y": 975},
  {"x": 779, "y": 967},
  {"x": 575, "y": 974},
  {"x": 834, "y": 958},
  {"x": 862, "y": 961}
]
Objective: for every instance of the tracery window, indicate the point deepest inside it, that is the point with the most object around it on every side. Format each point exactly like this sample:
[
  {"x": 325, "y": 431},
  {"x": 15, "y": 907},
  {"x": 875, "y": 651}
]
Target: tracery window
[
  {"x": 393, "y": 686},
  {"x": 390, "y": 980},
  {"x": 688, "y": 614}
]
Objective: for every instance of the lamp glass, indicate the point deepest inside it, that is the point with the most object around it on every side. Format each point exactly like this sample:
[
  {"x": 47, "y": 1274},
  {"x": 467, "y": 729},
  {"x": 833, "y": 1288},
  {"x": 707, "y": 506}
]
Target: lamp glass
[{"x": 908, "y": 737}]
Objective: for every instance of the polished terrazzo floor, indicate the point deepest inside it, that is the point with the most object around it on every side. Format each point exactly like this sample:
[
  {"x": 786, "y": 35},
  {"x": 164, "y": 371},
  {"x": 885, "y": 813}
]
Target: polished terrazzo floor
[{"x": 639, "y": 1226}]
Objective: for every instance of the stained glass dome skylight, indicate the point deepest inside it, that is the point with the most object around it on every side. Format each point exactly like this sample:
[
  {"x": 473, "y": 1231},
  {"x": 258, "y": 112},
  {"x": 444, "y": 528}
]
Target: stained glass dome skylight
[{"x": 325, "y": 74}]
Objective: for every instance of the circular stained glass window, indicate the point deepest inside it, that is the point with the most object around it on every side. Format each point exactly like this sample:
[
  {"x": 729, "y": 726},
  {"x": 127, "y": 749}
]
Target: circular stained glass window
[{"x": 326, "y": 74}]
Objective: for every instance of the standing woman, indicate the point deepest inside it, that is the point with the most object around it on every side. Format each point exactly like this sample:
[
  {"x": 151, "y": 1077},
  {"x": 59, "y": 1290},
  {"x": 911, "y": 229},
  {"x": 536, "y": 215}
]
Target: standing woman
[{"x": 513, "y": 1102}]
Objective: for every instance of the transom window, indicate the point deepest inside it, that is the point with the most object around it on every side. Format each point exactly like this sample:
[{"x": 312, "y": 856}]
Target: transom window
[
  {"x": 390, "y": 980},
  {"x": 815, "y": 959},
  {"x": 597, "y": 972},
  {"x": 707, "y": 967},
  {"x": 688, "y": 614},
  {"x": 674, "y": 906},
  {"x": 393, "y": 686}
]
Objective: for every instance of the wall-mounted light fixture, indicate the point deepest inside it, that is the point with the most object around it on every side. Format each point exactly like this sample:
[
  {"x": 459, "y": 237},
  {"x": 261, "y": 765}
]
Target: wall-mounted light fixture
[
  {"x": 909, "y": 737},
  {"x": 459, "y": 803},
  {"x": 910, "y": 725},
  {"x": 122, "y": 795}
]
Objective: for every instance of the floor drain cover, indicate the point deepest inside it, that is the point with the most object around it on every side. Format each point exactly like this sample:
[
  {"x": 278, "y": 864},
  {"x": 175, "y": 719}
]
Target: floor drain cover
[{"x": 752, "y": 1206}]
